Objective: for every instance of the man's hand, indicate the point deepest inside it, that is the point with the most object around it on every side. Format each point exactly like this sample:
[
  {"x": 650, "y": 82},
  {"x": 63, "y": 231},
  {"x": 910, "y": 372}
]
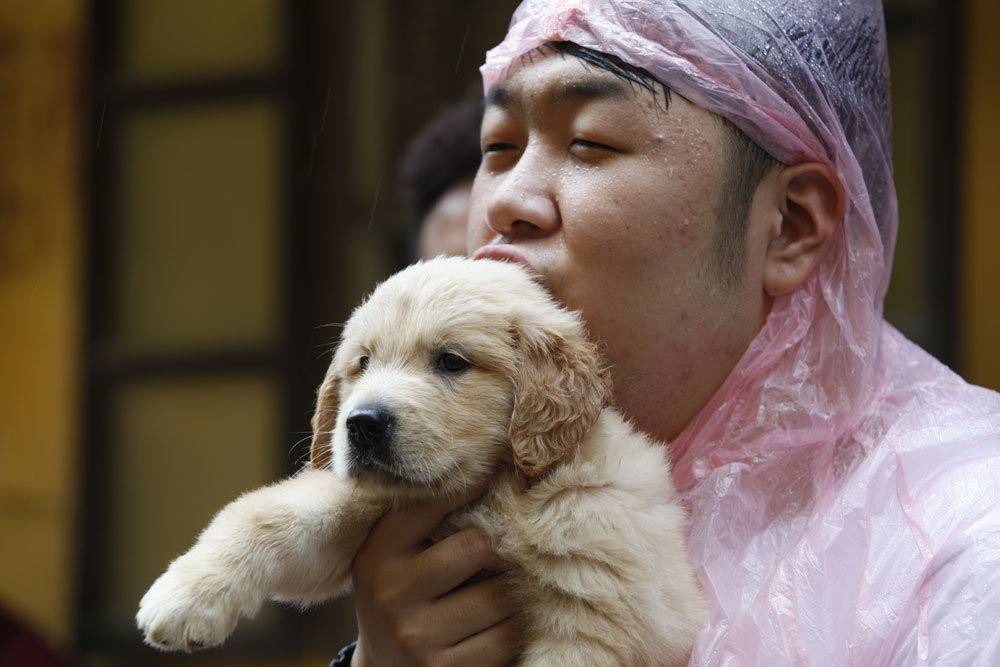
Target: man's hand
[{"x": 412, "y": 606}]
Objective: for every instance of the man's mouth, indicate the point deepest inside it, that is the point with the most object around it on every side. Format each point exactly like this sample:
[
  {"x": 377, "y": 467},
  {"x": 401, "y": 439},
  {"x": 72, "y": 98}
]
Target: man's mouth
[{"x": 504, "y": 252}]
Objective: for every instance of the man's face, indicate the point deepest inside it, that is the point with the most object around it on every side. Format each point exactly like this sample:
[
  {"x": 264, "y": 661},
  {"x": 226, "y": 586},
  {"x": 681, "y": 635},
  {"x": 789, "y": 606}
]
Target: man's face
[{"x": 614, "y": 202}]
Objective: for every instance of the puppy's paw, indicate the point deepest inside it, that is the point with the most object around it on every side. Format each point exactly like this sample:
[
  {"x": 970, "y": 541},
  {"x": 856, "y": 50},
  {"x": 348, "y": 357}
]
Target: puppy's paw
[{"x": 185, "y": 610}]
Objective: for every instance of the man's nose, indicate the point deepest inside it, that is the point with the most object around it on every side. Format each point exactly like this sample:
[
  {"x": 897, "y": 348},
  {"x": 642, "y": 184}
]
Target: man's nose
[{"x": 523, "y": 205}]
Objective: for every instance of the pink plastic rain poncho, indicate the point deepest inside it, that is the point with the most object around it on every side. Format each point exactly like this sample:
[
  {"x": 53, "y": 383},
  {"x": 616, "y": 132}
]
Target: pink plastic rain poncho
[{"x": 844, "y": 486}]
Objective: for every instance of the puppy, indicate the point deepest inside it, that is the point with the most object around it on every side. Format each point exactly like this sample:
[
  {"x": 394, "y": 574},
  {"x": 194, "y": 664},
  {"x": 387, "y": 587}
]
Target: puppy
[{"x": 454, "y": 374}]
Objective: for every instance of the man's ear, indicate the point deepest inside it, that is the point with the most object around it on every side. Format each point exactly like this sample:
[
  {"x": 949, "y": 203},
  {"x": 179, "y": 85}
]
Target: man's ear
[
  {"x": 560, "y": 388},
  {"x": 811, "y": 201},
  {"x": 324, "y": 420}
]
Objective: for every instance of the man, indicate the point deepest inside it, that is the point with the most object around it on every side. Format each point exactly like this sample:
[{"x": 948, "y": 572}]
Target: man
[
  {"x": 842, "y": 484},
  {"x": 436, "y": 175}
]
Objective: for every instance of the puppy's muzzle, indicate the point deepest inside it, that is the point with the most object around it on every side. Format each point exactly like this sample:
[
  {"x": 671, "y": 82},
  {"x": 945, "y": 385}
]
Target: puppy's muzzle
[{"x": 370, "y": 429}]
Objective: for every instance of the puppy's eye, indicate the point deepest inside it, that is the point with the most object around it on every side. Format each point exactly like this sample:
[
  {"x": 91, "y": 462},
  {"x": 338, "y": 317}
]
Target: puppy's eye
[
  {"x": 362, "y": 364},
  {"x": 449, "y": 362}
]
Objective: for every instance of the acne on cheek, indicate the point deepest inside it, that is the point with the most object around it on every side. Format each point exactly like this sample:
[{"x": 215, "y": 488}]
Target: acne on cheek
[
  {"x": 675, "y": 238},
  {"x": 657, "y": 144},
  {"x": 692, "y": 222},
  {"x": 683, "y": 374},
  {"x": 683, "y": 233}
]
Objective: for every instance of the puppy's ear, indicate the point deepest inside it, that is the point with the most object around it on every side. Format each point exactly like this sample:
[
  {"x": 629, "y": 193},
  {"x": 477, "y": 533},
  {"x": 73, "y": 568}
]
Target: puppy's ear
[
  {"x": 324, "y": 419},
  {"x": 560, "y": 388}
]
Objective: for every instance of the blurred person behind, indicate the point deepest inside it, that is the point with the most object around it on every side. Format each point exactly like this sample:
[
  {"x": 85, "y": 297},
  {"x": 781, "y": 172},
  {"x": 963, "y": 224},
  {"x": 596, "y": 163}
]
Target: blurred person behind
[{"x": 435, "y": 177}]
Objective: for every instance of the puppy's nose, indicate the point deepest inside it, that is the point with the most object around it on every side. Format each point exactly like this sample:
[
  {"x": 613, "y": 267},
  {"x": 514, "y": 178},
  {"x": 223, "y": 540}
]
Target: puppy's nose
[{"x": 369, "y": 426}]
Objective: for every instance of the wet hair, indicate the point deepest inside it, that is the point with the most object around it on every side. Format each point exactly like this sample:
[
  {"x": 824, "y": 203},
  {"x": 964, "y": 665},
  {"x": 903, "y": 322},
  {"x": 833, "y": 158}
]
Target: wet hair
[
  {"x": 747, "y": 162},
  {"x": 444, "y": 153}
]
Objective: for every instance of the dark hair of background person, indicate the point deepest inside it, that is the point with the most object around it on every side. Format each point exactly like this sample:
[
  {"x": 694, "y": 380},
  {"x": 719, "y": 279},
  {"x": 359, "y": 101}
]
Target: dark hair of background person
[
  {"x": 748, "y": 162},
  {"x": 444, "y": 153}
]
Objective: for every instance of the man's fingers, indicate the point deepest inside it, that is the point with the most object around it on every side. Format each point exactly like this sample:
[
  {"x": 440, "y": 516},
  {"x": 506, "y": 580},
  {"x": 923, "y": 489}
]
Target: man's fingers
[
  {"x": 498, "y": 645},
  {"x": 470, "y": 610},
  {"x": 403, "y": 529},
  {"x": 454, "y": 560}
]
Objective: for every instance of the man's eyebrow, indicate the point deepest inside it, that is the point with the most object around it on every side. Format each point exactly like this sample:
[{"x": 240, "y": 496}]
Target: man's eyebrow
[
  {"x": 578, "y": 90},
  {"x": 588, "y": 89}
]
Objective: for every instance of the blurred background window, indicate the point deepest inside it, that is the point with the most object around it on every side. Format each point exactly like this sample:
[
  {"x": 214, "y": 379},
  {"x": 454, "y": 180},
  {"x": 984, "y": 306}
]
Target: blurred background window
[
  {"x": 189, "y": 389},
  {"x": 925, "y": 51}
]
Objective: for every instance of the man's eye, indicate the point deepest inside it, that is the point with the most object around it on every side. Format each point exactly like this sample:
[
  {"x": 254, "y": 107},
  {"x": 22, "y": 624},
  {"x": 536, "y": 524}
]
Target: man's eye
[
  {"x": 497, "y": 147},
  {"x": 451, "y": 363},
  {"x": 587, "y": 144}
]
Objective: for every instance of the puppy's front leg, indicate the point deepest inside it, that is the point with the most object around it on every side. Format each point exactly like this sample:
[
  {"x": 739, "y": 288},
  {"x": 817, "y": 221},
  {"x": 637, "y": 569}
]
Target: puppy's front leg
[{"x": 293, "y": 540}]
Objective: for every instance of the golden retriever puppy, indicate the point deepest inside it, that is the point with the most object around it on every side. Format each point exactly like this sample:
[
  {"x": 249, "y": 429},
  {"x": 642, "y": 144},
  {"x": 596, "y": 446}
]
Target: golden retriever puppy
[{"x": 456, "y": 374}]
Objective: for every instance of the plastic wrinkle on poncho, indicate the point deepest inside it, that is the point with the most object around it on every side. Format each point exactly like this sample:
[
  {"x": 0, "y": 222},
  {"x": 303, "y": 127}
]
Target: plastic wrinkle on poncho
[{"x": 844, "y": 486}]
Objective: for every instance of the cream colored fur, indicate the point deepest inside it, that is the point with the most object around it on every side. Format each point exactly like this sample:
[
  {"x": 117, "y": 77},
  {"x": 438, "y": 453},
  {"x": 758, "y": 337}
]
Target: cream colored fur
[{"x": 578, "y": 503}]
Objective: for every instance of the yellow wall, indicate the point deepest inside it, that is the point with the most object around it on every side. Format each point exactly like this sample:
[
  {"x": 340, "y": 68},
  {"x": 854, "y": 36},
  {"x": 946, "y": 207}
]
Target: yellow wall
[
  {"x": 40, "y": 213},
  {"x": 980, "y": 343}
]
